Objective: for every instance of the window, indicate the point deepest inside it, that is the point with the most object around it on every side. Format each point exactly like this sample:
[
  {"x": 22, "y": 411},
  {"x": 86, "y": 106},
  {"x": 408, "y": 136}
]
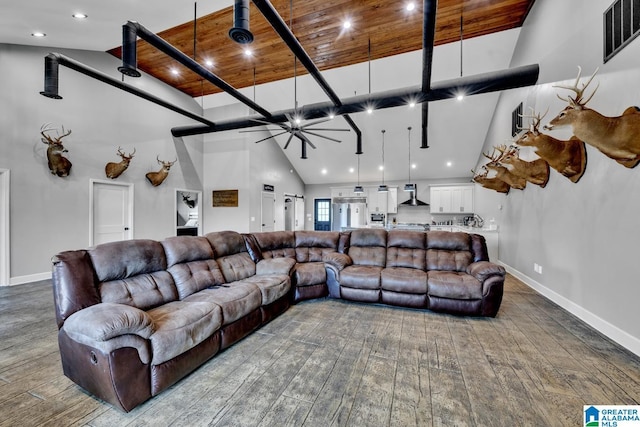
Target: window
[
  {"x": 516, "y": 120},
  {"x": 323, "y": 210},
  {"x": 621, "y": 26}
]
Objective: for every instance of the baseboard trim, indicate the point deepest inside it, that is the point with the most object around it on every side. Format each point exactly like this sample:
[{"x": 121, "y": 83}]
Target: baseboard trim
[
  {"x": 616, "y": 334},
  {"x": 21, "y": 280}
]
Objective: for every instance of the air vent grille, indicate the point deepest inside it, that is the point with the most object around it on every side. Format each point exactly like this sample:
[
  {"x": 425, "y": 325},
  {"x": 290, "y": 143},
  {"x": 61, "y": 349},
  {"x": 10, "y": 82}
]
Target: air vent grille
[
  {"x": 621, "y": 26},
  {"x": 516, "y": 119}
]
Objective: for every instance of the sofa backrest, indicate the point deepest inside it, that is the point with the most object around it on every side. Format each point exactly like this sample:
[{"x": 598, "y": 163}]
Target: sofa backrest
[
  {"x": 406, "y": 248},
  {"x": 191, "y": 263},
  {"x": 231, "y": 255},
  {"x": 133, "y": 272},
  {"x": 276, "y": 244},
  {"x": 312, "y": 245},
  {"x": 368, "y": 246},
  {"x": 448, "y": 251}
]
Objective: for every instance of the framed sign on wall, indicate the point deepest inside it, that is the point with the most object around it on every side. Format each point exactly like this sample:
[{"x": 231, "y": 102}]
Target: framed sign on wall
[{"x": 225, "y": 198}]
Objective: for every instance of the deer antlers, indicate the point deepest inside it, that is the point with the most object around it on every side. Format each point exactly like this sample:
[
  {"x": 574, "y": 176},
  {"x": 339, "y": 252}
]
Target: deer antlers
[
  {"x": 47, "y": 128},
  {"x": 578, "y": 102}
]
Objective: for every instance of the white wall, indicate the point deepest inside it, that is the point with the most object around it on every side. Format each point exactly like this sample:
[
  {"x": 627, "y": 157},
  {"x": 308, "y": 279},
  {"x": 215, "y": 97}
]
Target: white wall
[
  {"x": 49, "y": 214},
  {"x": 584, "y": 235}
]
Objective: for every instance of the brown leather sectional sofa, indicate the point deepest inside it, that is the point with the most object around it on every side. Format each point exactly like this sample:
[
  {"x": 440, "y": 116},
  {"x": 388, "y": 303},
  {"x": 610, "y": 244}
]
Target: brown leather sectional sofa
[{"x": 136, "y": 316}]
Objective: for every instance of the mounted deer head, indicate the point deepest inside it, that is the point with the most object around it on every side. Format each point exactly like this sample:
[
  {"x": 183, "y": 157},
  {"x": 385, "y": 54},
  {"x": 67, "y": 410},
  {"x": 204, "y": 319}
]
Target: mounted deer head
[
  {"x": 157, "y": 178},
  {"x": 503, "y": 173},
  {"x": 494, "y": 184},
  {"x": 186, "y": 198},
  {"x": 58, "y": 164},
  {"x": 535, "y": 172},
  {"x": 616, "y": 137},
  {"x": 567, "y": 157},
  {"x": 114, "y": 170}
]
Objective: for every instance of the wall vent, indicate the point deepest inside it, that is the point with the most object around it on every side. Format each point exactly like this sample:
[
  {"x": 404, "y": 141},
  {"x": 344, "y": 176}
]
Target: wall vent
[
  {"x": 621, "y": 26},
  {"x": 516, "y": 120}
]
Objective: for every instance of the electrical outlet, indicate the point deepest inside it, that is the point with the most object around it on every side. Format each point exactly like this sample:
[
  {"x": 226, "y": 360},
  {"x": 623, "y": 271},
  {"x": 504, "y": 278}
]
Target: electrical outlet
[
  {"x": 535, "y": 267},
  {"x": 539, "y": 269}
]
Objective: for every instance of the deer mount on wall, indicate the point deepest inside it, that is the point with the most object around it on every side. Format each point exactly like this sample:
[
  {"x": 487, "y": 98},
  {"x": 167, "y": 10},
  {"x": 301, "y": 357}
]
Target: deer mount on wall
[
  {"x": 114, "y": 170},
  {"x": 186, "y": 198},
  {"x": 616, "y": 137},
  {"x": 535, "y": 172},
  {"x": 494, "y": 183},
  {"x": 502, "y": 173},
  {"x": 567, "y": 157},
  {"x": 58, "y": 164},
  {"x": 157, "y": 178}
]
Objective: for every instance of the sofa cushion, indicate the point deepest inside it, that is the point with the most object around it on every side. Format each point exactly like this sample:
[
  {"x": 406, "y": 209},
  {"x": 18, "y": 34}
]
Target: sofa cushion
[
  {"x": 406, "y": 249},
  {"x": 180, "y": 326},
  {"x": 453, "y": 285},
  {"x": 272, "y": 287},
  {"x": 143, "y": 291},
  {"x": 194, "y": 276},
  {"x": 368, "y": 247},
  {"x": 361, "y": 277},
  {"x": 133, "y": 272},
  {"x": 236, "y": 267},
  {"x": 275, "y": 266},
  {"x": 448, "y": 251},
  {"x": 180, "y": 249},
  {"x": 236, "y": 299},
  {"x": 310, "y": 273},
  {"x": 406, "y": 280},
  {"x": 311, "y": 246},
  {"x": 276, "y": 244}
]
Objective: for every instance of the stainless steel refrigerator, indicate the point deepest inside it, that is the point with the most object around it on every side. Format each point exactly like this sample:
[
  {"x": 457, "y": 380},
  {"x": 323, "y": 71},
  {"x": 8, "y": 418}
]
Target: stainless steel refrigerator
[{"x": 348, "y": 212}]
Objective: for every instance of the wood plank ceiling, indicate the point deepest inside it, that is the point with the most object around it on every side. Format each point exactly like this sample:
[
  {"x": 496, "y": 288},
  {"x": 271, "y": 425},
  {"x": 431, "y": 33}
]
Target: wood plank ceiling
[{"x": 318, "y": 26}]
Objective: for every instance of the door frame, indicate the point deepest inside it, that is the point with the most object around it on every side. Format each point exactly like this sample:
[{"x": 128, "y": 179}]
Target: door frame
[
  {"x": 175, "y": 207},
  {"x": 5, "y": 247},
  {"x": 315, "y": 211},
  {"x": 92, "y": 183}
]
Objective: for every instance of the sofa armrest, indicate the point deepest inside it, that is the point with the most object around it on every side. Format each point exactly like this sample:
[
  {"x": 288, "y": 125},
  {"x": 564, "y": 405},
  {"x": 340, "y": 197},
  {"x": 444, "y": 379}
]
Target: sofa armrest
[
  {"x": 482, "y": 270},
  {"x": 275, "y": 266},
  {"x": 104, "y": 321},
  {"x": 337, "y": 260}
]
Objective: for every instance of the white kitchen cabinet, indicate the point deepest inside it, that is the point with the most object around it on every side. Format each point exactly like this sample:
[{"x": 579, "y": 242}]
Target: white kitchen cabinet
[
  {"x": 451, "y": 199},
  {"x": 345, "y": 192},
  {"x": 377, "y": 201}
]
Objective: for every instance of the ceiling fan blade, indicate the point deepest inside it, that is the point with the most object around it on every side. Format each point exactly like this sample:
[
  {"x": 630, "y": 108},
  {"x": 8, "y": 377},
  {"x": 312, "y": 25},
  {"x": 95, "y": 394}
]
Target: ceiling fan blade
[
  {"x": 322, "y": 136},
  {"x": 305, "y": 139},
  {"x": 256, "y": 130},
  {"x": 269, "y": 137},
  {"x": 314, "y": 123},
  {"x": 328, "y": 129},
  {"x": 265, "y": 122},
  {"x": 288, "y": 141}
]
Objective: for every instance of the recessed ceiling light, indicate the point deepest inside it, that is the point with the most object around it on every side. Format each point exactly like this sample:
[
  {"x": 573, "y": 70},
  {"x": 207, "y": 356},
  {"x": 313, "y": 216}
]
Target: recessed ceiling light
[
  {"x": 380, "y": 167},
  {"x": 413, "y": 166},
  {"x": 80, "y": 15},
  {"x": 369, "y": 110},
  {"x": 332, "y": 116},
  {"x": 351, "y": 170},
  {"x": 411, "y": 6},
  {"x": 175, "y": 71},
  {"x": 323, "y": 171},
  {"x": 346, "y": 24},
  {"x": 248, "y": 52},
  {"x": 208, "y": 63},
  {"x": 460, "y": 97},
  {"x": 449, "y": 164},
  {"x": 38, "y": 34},
  {"x": 412, "y": 104}
]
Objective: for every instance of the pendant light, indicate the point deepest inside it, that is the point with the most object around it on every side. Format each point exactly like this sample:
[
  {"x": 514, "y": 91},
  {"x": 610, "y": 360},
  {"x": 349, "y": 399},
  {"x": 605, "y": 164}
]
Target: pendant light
[
  {"x": 382, "y": 188},
  {"x": 409, "y": 186},
  {"x": 358, "y": 188}
]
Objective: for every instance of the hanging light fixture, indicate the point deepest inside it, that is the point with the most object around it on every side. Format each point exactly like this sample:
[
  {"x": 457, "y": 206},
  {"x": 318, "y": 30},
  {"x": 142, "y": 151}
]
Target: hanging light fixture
[
  {"x": 358, "y": 188},
  {"x": 382, "y": 188},
  {"x": 460, "y": 96},
  {"x": 409, "y": 186}
]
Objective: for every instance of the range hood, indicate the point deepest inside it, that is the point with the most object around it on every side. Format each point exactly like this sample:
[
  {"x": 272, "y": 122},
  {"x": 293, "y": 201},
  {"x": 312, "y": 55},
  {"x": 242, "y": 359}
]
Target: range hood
[{"x": 413, "y": 200}]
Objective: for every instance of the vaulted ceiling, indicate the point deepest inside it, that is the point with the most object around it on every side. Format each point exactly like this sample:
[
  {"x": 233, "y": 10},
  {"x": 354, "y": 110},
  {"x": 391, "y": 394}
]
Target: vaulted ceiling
[{"x": 318, "y": 25}]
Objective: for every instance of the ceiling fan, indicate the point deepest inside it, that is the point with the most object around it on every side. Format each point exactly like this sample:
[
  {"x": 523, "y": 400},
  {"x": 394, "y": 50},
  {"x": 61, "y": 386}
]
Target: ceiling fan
[{"x": 295, "y": 128}]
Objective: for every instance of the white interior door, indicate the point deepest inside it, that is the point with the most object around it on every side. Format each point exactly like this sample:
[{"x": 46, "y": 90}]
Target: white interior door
[
  {"x": 111, "y": 212},
  {"x": 299, "y": 222},
  {"x": 4, "y": 227},
  {"x": 268, "y": 211}
]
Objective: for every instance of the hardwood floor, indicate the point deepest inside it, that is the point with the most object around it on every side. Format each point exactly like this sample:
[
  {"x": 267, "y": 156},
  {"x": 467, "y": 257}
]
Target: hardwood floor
[{"x": 330, "y": 362}]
